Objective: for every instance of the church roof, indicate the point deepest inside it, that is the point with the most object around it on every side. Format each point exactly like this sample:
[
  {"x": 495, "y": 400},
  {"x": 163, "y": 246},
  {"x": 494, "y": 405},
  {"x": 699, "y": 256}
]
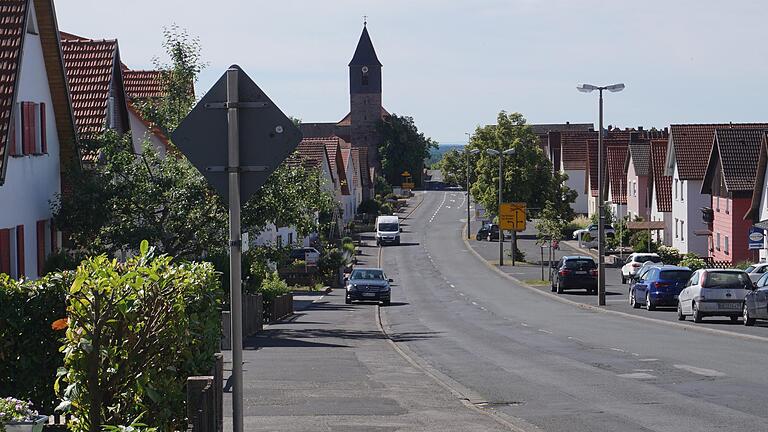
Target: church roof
[{"x": 365, "y": 54}]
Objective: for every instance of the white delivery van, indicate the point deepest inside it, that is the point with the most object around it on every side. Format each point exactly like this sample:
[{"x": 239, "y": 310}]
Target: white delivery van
[{"x": 387, "y": 230}]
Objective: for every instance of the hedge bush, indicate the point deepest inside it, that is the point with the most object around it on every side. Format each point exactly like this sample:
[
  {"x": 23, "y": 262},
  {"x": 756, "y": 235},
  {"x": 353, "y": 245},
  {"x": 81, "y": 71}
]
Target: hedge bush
[
  {"x": 29, "y": 347},
  {"x": 692, "y": 261},
  {"x": 135, "y": 332}
]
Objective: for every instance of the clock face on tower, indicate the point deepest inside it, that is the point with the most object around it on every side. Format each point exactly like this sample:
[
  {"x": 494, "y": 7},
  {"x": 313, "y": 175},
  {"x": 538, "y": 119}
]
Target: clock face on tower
[{"x": 365, "y": 69}]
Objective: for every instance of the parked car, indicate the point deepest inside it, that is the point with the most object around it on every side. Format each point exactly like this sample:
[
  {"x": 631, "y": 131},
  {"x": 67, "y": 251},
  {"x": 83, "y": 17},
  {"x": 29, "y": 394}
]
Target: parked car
[
  {"x": 634, "y": 262},
  {"x": 308, "y": 254},
  {"x": 658, "y": 286},
  {"x": 491, "y": 233},
  {"x": 714, "y": 292},
  {"x": 756, "y": 271},
  {"x": 592, "y": 231},
  {"x": 369, "y": 284},
  {"x": 756, "y": 302},
  {"x": 575, "y": 272}
]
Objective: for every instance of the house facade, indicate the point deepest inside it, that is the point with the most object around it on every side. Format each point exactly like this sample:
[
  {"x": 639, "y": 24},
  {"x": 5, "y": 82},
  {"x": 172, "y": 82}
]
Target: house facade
[
  {"x": 617, "y": 180},
  {"x": 758, "y": 212},
  {"x": 636, "y": 166},
  {"x": 37, "y": 135},
  {"x": 660, "y": 189}
]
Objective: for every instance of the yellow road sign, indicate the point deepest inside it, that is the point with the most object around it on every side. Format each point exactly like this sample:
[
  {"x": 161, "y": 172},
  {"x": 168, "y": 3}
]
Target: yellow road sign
[
  {"x": 408, "y": 185},
  {"x": 512, "y": 216}
]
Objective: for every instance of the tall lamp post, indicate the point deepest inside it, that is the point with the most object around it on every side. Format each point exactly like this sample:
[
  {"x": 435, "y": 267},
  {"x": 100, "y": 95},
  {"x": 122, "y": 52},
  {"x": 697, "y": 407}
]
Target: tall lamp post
[
  {"x": 469, "y": 195},
  {"x": 501, "y": 155},
  {"x": 588, "y": 88}
]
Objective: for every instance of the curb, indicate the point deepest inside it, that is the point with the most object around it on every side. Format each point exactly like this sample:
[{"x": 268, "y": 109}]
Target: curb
[{"x": 677, "y": 325}]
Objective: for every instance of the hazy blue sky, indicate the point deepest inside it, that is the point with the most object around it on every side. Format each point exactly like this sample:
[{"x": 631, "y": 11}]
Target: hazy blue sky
[{"x": 453, "y": 65}]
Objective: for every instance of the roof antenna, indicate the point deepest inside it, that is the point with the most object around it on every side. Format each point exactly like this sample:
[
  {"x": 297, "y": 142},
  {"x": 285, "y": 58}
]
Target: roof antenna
[{"x": 365, "y": 20}]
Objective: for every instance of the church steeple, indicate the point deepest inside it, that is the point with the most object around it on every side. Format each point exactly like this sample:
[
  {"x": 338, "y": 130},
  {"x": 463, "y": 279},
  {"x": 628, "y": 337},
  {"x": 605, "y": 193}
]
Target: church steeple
[
  {"x": 365, "y": 54},
  {"x": 365, "y": 67}
]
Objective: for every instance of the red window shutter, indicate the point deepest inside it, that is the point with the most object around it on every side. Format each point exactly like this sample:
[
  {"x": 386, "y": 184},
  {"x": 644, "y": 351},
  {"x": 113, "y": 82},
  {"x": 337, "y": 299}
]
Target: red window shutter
[
  {"x": 40, "y": 246},
  {"x": 5, "y": 251},
  {"x": 28, "y": 146},
  {"x": 43, "y": 138},
  {"x": 20, "y": 251},
  {"x": 54, "y": 238}
]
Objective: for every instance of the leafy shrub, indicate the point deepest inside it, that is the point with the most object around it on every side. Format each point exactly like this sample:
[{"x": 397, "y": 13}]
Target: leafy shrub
[
  {"x": 273, "y": 287},
  {"x": 642, "y": 242},
  {"x": 385, "y": 209},
  {"x": 669, "y": 255},
  {"x": 742, "y": 265},
  {"x": 692, "y": 261},
  {"x": 15, "y": 410},
  {"x": 135, "y": 332},
  {"x": 330, "y": 263},
  {"x": 519, "y": 254},
  {"x": 62, "y": 261},
  {"x": 29, "y": 347},
  {"x": 368, "y": 206}
]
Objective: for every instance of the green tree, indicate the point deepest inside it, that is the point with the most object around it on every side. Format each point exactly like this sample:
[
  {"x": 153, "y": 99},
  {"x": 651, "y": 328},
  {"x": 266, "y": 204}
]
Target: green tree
[
  {"x": 551, "y": 223},
  {"x": 403, "y": 148},
  {"x": 528, "y": 174},
  {"x": 453, "y": 166}
]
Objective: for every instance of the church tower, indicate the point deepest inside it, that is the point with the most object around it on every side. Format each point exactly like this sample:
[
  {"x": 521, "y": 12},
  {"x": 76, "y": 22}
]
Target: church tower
[{"x": 365, "y": 97}]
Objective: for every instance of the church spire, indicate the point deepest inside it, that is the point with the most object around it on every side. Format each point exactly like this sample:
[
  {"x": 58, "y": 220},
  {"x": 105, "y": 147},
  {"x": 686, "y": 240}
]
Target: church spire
[{"x": 365, "y": 54}]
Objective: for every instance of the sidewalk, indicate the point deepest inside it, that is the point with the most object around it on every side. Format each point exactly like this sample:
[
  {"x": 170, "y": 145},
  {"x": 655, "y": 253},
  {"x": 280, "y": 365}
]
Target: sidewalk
[{"x": 329, "y": 368}]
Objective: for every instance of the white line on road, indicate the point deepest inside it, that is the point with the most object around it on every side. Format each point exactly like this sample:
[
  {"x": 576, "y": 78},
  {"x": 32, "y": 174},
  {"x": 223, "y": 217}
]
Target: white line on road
[
  {"x": 453, "y": 286},
  {"x": 617, "y": 350},
  {"x": 545, "y": 331},
  {"x": 576, "y": 339},
  {"x": 648, "y": 360},
  {"x": 524, "y": 325},
  {"x": 474, "y": 303},
  {"x": 638, "y": 375},
  {"x": 700, "y": 371}
]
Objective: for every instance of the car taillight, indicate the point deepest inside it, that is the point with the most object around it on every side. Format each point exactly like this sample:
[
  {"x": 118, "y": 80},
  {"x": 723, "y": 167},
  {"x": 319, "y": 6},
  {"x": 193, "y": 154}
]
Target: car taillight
[
  {"x": 636, "y": 265},
  {"x": 564, "y": 272},
  {"x": 593, "y": 272},
  {"x": 663, "y": 284}
]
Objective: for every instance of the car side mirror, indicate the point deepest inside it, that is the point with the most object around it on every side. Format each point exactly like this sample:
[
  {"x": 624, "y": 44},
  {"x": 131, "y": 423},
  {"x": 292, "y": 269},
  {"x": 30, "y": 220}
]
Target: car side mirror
[
  {"x": 390, "y": 280},
  {"x": 754, "y": 286}
]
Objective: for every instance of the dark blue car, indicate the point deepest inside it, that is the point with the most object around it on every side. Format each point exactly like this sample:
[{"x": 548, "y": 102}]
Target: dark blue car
[{"x": 659, "y": 286}]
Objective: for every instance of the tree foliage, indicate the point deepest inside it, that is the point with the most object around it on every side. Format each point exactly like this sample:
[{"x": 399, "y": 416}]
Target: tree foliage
[
  {"x": 453, "y": 166},
  {"x": 403, "y": 148},
  {"x": 528, "y": 174}
]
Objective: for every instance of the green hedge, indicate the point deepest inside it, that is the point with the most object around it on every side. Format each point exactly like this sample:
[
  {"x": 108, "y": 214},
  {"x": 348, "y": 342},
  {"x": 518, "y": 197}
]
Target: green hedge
[{"x": 29, "y": 348}]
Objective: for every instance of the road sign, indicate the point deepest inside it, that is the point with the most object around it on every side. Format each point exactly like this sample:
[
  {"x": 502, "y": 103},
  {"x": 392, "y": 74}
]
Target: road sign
[
  {"x": 408, "y": 185},
  {"x": 512, "y": 216},
  {"x": 756, "y": 238},
  {"x": 266, "y": 135}
]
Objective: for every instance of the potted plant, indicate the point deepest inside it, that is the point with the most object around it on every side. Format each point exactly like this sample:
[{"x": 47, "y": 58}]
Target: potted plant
[{"x": 18, "y": 416}]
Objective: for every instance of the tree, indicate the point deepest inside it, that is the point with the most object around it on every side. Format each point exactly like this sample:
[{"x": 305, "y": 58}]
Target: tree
[
  {"x": 551, "y": 223},
  {"x": 528, "y": 174},
  {"x": 403, "y": 148},
  {"x": 453, "y": 166}
]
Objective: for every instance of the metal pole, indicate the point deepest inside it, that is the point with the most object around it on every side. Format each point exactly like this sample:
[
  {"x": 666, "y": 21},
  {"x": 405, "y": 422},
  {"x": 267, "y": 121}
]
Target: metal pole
[
  {"x": 469, "y": 197},
  {"x": 542, "y": 261},
  {"x": 235, "y": 252},
  {"x": 501, "y": 187},
  {"x": 601, "y": 213},
  {"x": 549, "y": 271}
]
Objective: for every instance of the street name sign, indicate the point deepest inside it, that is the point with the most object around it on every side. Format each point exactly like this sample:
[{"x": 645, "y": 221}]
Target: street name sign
[{"x": 512, "y": 216}]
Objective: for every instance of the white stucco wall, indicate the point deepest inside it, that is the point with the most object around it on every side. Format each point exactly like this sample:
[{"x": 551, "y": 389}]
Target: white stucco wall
[
  {"x": 31, "y": 181},
  {"x": 666, "y": 236},
  {"x": 140, "y": 134},
  {"x": 686, "y": 206},
  {"x": 575, "y": 181}
]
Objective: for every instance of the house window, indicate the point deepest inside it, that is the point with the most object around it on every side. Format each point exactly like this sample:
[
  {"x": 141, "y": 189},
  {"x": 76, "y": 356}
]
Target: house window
[
  {"x": 682, "y": 230},
  {"x": 717, "y": 241},
  {"x": 717, "y": 203},
  {"x": 279, "y": 241},
  {"x": 682, "y": 190},
  {"x": 726, "y": 245},
  {"x": 675, "y": 188},
  {"x": 677, "y": 223},
  {"x": 28, "y": 130},
  {"x": 290, "y": 238}
]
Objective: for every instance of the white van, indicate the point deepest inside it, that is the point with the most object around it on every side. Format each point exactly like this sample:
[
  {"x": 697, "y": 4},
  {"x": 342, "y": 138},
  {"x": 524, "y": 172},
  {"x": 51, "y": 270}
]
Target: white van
[{"x": 387, "y": 230}]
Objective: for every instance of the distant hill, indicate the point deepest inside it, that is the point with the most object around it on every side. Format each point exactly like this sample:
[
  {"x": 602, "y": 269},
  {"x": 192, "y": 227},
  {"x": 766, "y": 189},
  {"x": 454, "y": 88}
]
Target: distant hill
[{"x": 437, "y": 154}]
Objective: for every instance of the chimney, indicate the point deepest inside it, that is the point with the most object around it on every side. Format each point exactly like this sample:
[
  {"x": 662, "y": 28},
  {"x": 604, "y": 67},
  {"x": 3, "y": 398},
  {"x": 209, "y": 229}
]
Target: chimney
[{"x": 639, "y": 128}]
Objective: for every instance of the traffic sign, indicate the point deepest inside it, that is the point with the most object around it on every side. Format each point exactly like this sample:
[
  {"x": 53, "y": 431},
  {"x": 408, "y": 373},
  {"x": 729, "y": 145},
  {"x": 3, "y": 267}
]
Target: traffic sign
[
  {"x": 512, "y": 216},
  {"x": 408, "y": 185},
  {"x": 266, "y": 135}
]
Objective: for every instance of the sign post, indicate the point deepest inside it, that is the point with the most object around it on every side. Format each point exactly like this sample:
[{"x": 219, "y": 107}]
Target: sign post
[
  {"x": 254, "y": 148},
  {"x": 512, "y": 218}
]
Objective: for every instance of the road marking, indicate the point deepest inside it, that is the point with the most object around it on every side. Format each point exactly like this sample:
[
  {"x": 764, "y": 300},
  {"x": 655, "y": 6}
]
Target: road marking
[
  {"x": 545, "y": 331},
  {"x": 453, "y": 286},
  {"x": 483, "y": 308},
  {"x": 643, "y": 370},
  {"x": 636, "y": 354},
  {"x": 576, "y": 339},
  {"x": 461, "y": 294},
  {"x": 648, "y": 360},
  {"x": 700, "y": 371},
  {"x": 637, "y": 375},
  {"x": 474, "y": 303},
  {"x": 617, "y": 350},
  {"x": 524, "y": 325}
]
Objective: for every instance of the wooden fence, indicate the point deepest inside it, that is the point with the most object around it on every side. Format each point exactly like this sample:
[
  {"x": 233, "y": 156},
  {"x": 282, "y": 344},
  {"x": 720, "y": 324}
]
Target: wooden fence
[{"x": 280, "y": 307}]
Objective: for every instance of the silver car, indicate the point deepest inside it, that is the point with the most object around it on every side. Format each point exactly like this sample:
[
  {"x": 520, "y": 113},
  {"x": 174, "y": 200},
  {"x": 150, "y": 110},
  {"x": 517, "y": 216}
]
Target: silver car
[
  {"x": 714, "y": 292},
  {"x": 756, "y": 303}
]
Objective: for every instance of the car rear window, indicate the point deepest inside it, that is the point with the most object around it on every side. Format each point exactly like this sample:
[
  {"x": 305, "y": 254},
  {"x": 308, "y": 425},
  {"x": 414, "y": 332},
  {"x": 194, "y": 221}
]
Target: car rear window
[
  {"x": 727, "y": 280},
  {"x": 676, "y": 275},
  {"x": 644, "y": 258},
  {"x": 580, "y": 264}
]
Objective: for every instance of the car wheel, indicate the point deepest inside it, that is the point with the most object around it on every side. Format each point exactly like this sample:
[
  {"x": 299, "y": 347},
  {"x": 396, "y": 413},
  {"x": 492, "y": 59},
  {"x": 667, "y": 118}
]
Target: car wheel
[
  {"x": 385, "y": 302},
  {"x": 680, "y": 315},
  {"x": 648, "y": 305},
  {"x": 696, "y": 313},
  {"x": 559, "y": 288},
  {"x": 478, "y": 238},
  {"x": 633, "y": 301},
  {"x": 748, "y": 320},
  {"x": 347, "y": 300}
]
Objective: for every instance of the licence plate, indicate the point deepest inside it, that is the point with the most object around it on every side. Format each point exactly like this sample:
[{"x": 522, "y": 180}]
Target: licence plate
[
  {"x": 729, "y": 306},
  {"x": 580, "y": 272},
  {"x": 369, "y": 294}
]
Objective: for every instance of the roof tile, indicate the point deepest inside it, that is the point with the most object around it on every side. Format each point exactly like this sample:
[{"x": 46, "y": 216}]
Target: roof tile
[{"x": 661, "y": 183}]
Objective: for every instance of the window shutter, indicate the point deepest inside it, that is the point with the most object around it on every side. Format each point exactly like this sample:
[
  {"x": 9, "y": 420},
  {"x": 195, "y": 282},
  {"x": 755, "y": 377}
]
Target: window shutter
[
  {"x": 43, "y": 138},
  {"x": 25, "y": 128},
  {"x": 54, "y": 238},
  {"x": 32, "y": 128},
  {"x": 12, "y": 135},
  {"x": 40, "y": 246},
  {"x": 5, "y": 251},
  {"x": 20, "y": 251}
]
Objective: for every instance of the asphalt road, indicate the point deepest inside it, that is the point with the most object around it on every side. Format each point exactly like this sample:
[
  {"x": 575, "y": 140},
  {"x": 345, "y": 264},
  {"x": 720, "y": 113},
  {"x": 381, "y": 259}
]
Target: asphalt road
[{"x": 547, "y": 365}]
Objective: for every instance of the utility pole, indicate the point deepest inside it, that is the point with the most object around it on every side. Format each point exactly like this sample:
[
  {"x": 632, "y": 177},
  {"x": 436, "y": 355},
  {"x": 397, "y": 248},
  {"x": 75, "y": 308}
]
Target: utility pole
[
  {"x": 469, "y": 195},
  {"x": 501, "y": 155}
]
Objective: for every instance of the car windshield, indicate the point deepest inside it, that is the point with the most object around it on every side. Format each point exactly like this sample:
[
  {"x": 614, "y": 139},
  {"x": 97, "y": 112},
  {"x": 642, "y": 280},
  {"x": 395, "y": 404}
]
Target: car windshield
[
  {"x": 732, "y": 280},
  {"x": 388, "y": 227},
  {"x": 749, "y": 269},
  {"x": 367, "y": 274},
  {"x": 644, "y": 258},
  {"x": 676, "y": 275},
  {"x": 580, "y": 264}
]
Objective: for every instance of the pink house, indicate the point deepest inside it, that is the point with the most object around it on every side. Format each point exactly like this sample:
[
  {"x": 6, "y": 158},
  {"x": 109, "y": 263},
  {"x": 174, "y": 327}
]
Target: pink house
[{"x": 636, "y": 166}]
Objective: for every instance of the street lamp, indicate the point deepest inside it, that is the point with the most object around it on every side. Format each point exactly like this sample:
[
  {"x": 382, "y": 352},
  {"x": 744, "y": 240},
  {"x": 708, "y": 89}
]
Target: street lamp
[
  {"x": 588, "y": 88},
  {"x": 469, "y": 195},
  {"x": 501, "y": 155}
]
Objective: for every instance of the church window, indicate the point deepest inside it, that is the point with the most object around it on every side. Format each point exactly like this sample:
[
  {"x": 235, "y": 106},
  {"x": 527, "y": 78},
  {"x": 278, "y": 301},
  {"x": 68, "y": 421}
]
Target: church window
[{"x": 365, "y": 78}]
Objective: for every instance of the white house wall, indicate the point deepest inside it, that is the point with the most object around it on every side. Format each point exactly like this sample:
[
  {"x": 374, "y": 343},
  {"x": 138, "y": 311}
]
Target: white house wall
[
  {"x": 140, "y": 134},
  {"x": 664, "y": 236},
  {"x": 576, "y": 181},
  {"x": 31, "y": 181},
  {"x": 686, "y": 207}
]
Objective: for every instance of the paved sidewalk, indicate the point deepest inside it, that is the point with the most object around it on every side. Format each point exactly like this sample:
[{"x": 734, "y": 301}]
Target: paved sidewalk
[{"x": 329, "y": 368}]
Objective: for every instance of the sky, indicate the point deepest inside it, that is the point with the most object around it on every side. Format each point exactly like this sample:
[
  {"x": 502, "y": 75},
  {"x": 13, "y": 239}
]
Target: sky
[{"x": 453, "y": 65}]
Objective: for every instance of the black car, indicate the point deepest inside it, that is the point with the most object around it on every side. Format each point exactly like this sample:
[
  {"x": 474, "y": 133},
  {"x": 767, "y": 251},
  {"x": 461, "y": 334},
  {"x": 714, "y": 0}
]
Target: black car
[
  {"x": 488, "y": 232},
  {"x": 368, "y": 284},
  {"x": 575, "y": 272}
]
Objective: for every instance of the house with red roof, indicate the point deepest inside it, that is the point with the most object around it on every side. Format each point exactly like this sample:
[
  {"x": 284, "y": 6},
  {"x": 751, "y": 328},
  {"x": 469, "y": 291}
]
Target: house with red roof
[
  {"x": 688, "y": 149},
  {"x": 758, "y": 210},
  {"x": 37, "y": 134},
  {"x": 573, "y": 162},
  {"x": 637, "y": 168},
  {"x": 616, "y": 196},
  {"x": 729, "y": 179},
  {"x": 144, "y": 86},
  {"x": 660, "y": 189},
  {"x": 590, "y": 186}
]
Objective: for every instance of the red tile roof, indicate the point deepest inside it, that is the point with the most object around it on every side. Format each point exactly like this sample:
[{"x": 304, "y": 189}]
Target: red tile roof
[
  {"x": 89, "y": 65},
  {"x": 736, "y": 152},
  {"x": 617, "y": 177},
  {"x": 12, "y": 20},
  {"x": 662, "y": 183},
  {"x": 313, "y": 150},
  {"x": 143, "y": 84},
  {"x": 592, "y": 153},
  {"x": 573, "y": 146},
  {"x": 693, "y": 144}
]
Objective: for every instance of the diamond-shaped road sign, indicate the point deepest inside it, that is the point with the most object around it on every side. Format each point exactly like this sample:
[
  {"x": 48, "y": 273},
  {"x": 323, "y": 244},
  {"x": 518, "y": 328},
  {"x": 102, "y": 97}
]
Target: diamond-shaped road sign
[{"x": 267, "y": 136}]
